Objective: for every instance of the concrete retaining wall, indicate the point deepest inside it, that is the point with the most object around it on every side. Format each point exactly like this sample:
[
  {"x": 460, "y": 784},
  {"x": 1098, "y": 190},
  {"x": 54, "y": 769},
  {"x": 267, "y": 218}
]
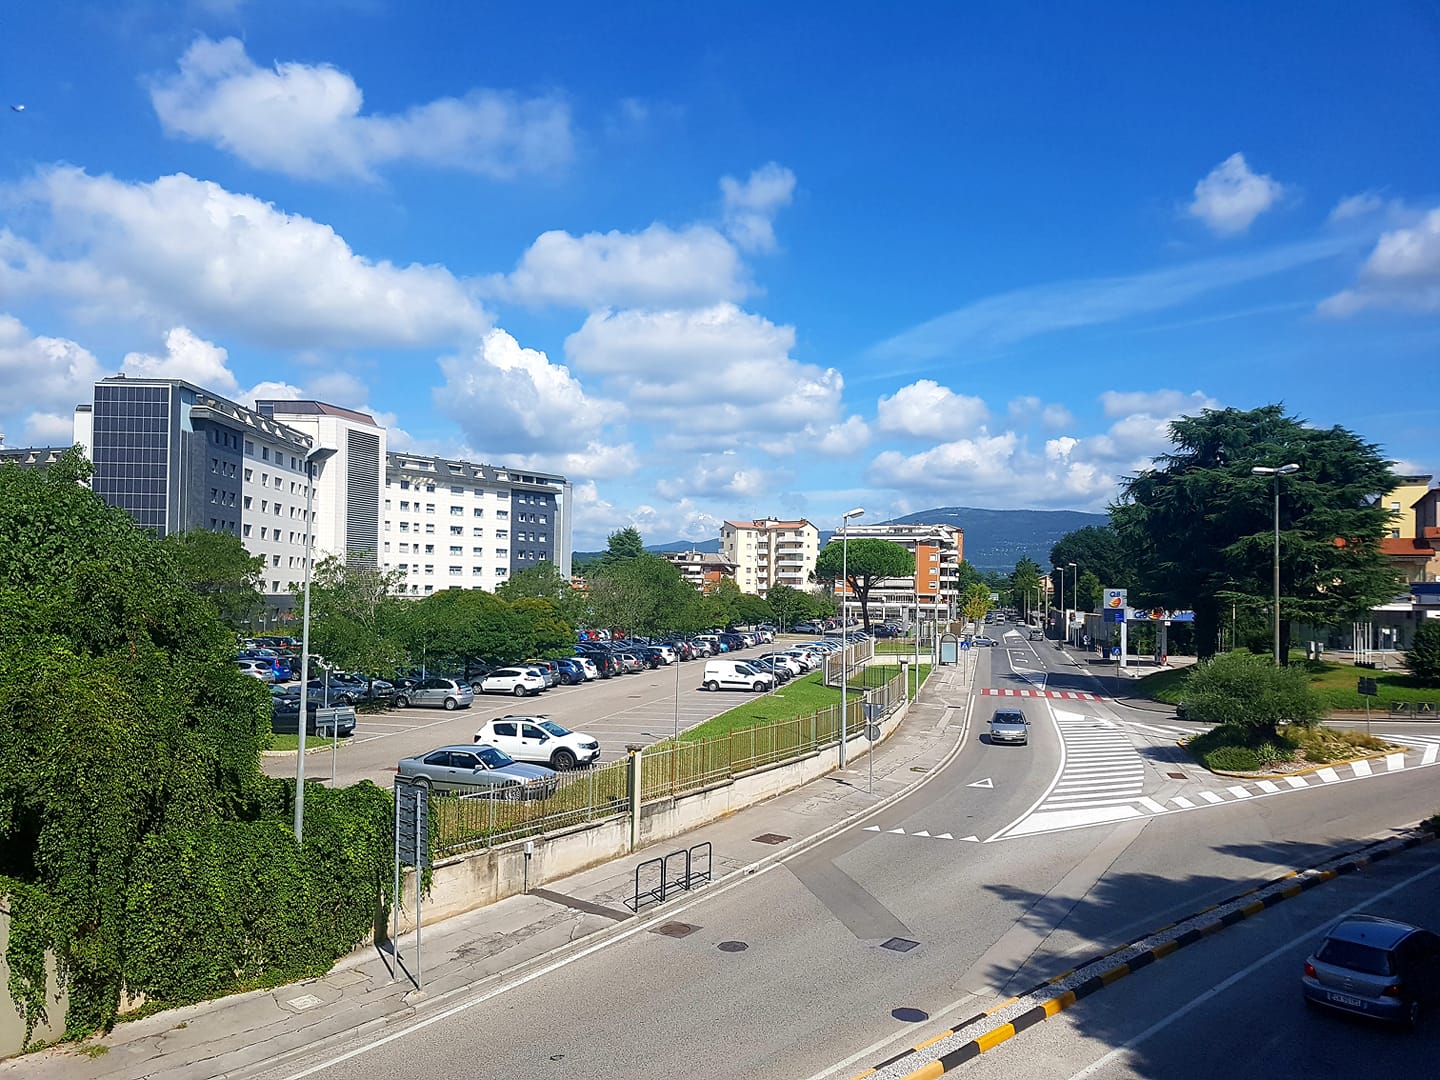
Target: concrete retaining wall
[{"x": 472, "y": 881}]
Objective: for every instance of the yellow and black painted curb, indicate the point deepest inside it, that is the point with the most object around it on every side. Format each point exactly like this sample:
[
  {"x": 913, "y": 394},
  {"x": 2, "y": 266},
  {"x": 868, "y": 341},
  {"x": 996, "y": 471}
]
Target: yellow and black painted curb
[{"x": 1365, "y": 856}]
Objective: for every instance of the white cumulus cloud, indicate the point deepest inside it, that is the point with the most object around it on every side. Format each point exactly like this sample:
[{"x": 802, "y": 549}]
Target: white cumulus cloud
[
  {"x": 1165, "y": 404},
  {"x": 1401, "y": 273},
  {"x": 750, "y": 205},
  {"x": 1231, "y": 196},
  {"x": 710, "y": 378},
  {"x": 186, "y": 357},
  {"x": 927, "y": 409},
  {"x": 42, "y": 379},
  {"x": 658, "y": 267},
  {"x": 185, "y": 251},
  {"x": 306, "y": 120},
  {"x": 510, "y": 400}
]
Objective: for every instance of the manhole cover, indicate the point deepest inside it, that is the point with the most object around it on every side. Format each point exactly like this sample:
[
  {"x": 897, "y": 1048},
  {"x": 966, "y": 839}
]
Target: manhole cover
[
  {"x": 732, "y": 946},
  {"x": 305, "y": 1001},
  {"x": 1176, "y": 775},
  {"x": 770, "y": 838},
  {"x": 675, "y": 929},
  {"x": 899, "y": 944},
  {"x": 910, "y": 1016}
]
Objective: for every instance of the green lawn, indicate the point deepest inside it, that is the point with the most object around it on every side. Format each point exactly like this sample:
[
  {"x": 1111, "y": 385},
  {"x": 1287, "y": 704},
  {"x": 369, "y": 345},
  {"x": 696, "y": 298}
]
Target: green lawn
[{"x": 1335, "y": 683}]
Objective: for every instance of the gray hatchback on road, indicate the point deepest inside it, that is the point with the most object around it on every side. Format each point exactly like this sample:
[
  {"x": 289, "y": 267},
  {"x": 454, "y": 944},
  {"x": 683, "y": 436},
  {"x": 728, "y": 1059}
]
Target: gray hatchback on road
[
  {"x": 1009, "y": 726},
  {"x": 1375, "y": 967}
]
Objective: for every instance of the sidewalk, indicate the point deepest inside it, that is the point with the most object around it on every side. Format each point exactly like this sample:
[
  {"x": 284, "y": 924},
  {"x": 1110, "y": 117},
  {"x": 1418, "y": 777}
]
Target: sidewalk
[{"x": 521, "y": 934}]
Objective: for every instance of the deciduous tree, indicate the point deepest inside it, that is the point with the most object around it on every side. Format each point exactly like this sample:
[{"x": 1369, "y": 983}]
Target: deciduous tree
[{"x": 217, "y": 566}]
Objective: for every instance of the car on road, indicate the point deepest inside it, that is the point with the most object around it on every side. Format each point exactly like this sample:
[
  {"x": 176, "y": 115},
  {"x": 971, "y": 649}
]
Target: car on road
[
  {"x": 1036, "y": 634},
  {"x": 984, "y": 642},
  {"x": 1009, "y": 726},
  {"x": 539, "y": 739},
  {"x": 449, "y": 694},
  {"x": 1375, "y": 967},
  {"x": 479, "y": 770},
  {"x": 519, "y": 681}
]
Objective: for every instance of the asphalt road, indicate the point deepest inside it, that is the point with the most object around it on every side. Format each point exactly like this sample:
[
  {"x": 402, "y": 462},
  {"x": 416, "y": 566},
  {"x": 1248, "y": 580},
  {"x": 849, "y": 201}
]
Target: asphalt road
[
  {"x": 636, "y": 708},
  {"x": 789, "y": 973}
]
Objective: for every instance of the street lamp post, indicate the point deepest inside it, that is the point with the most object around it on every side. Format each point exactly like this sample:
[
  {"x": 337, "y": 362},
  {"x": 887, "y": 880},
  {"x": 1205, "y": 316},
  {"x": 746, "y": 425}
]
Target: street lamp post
[
  {"x": 1277, "y": 472},
  {"x": 1064, "y": 627},
  {"x": 844, "y": 620},
  {"x": 313, "y": 458},
  {"x": 1074, "y": 594}
]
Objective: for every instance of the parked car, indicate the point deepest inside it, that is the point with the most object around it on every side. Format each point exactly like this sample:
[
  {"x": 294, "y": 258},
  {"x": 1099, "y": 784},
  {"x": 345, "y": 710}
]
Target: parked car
[
  {"x": 539, "y": 739},
  {"x": 285, "y": 716},
  {"x": 481, "y": 770},
  {"x": 782, "y": 660},
  {"x": 257, "y": 669},
  {"x": 736, "y": 675},
  {"x": 1375, "y": 967},
  {"x": 1009, "y": 726},
  {"x": 449, "y": 693},
  {"x": 512, "y": 680},
  {"x": 887, "y": 631},
  {"x": 808, "y": 628},
  {"x": 630, "y": 663},
  {"x": 773, "y": 665},
  {"x": 589, "y": 670},
  {"x": 568, "y": 672}
]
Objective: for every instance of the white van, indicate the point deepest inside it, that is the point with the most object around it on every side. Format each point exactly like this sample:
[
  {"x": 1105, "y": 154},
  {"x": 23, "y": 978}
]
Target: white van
[{"x": 736, "y": 675}]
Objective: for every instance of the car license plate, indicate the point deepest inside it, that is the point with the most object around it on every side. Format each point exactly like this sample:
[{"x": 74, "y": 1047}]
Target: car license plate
[{"x": 1345, "y": 999}]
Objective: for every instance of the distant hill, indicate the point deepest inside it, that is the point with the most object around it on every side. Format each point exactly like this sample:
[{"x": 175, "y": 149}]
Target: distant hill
[
  {"x": 998, "y": 539},
  {"x": 994, "y": 539}
]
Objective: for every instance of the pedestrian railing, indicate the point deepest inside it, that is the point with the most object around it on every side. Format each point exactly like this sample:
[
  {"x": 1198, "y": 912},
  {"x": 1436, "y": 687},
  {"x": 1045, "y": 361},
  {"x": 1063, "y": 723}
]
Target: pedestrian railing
[{"x": 470, "y": 819}]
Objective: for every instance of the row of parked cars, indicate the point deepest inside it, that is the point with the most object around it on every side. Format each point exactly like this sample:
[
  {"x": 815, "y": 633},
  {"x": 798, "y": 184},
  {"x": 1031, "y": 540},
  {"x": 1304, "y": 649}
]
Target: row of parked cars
[
  {"x": 516, "y": 756},
  {"x": 768, "y": 670}
]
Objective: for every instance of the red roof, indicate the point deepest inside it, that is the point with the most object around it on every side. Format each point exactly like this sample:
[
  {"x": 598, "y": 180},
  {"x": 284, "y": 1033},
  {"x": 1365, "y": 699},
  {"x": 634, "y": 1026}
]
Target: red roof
[{"x": 1406, "y": 546}]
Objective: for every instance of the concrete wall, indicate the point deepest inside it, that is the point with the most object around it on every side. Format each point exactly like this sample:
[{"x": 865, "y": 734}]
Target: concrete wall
[
  {"x": 12, "y": 1028},
  {"x": 484, "y": 877}
]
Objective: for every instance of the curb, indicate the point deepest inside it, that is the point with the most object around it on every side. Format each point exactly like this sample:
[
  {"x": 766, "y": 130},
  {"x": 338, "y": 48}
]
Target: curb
[
  {"x": 661, "y": 912},
  {"x": 1301, "y": 772},
  {"x": 1365, "y": 856}
]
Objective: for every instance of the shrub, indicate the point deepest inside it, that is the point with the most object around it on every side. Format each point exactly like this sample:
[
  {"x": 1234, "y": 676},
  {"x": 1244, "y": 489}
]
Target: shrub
[
  {"x": 1423, "y": 658},
  {"x": 1250, "y": 692},
  {"x": 1233, "y": 759}
]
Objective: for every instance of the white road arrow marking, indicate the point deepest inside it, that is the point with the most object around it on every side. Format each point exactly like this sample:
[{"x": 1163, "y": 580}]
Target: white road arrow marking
[
  {"x": 872, "y": 828},
  {"x": 972, "y": 839},
  {"x": 922, "y": 832},
  {"x": 900, "y": 831},
  {"x": 987, "y": 782}
]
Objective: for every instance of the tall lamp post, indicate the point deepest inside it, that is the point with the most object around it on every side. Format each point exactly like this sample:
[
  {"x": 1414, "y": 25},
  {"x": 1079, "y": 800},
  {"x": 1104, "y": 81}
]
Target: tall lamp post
[
  {"x": 1074, "y": 595},
  {"x": 1277, "y": 472},
  {"x": 313, "y": 458},
  {"x": 844, "y": 621},
  {"x": 1064, "y": 622}
]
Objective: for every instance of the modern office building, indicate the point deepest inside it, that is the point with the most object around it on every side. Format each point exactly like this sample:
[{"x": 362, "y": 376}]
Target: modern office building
[
  {"x": 932, "y": 591},
  {"x": 457, "y": 524},
  {"x": 768, "y": 552},
  {"x": 176, "y": 457},
  {"x": 703, "y": 569},
  {"x": 30, "y": 457}
]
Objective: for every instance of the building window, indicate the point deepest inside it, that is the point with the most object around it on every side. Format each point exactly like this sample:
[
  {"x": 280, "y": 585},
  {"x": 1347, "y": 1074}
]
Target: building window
[
  {"x": 457, "y": 530},
  {"x": 500, "y": 571},
  {"x": 264, "y": 453},
  {"x": 457, "y": 491},
  {"x": 477, "y": 570},
  {"x": 405, "y": 505},
  {"x": 249, "y": 449},
  {"x": 503, "y": 515},
  {"x": 429, "y": 549},
  {"x": 456, "y": 511},
  {"x": 429, "y": 508},
  {"x": 478, "y": 552},
  {"x": 405, "y": 527},
  {"x": 456, "y": 549},
  {"x": 502, "y": 553},
  {"x": 504, "y": 534},
  {"x": 455, "y": 571},
  {"x": 429, "y": 568},
  {"x": 480, "y": 511},
  {"x": 430, "y": 527},
  {"x": 247, "y": 530},
  {"x": 404, "y": 485},
  {"x": 477, "y": 531}
]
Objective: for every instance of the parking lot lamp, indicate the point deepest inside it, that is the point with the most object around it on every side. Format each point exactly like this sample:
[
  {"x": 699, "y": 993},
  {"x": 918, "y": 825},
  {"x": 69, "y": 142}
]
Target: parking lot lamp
[
  {"x": 1277, "y": 472},
  {"x": 844, "y": 622},
  {"x": 315, "y": 457}
]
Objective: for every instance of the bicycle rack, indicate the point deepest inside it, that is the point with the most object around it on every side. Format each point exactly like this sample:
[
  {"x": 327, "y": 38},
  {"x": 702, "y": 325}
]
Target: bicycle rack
[{"x": 690, "y": 876}]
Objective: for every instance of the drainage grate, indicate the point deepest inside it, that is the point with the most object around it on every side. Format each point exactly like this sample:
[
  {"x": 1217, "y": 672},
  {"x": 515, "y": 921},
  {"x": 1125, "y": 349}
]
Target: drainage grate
[
  {"x": 910, "y": 1016},
  {"x": 770, "y": 838},
  {"x": 899, "y": 944},
  {"x": 675, "y": 929},
  {"x": 1176, "y": 775},
  {"x": 919, "y": 768},
  {"x": 732, "y": 946}
]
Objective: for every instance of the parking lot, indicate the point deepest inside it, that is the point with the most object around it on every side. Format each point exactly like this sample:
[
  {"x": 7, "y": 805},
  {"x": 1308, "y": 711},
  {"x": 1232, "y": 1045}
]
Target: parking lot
[{"x": 638, "y": 708}]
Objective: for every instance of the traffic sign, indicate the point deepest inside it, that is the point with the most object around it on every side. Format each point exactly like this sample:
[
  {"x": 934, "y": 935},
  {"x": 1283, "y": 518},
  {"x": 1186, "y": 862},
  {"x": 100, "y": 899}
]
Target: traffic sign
[
  {"x": 872, "y": 732},
  {"x": 1115, "y": 651}
]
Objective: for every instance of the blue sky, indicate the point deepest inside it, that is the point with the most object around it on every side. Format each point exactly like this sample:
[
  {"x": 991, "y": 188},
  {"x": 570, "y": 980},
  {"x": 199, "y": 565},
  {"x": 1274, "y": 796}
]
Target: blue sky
[{"x": 728, "y": 262}]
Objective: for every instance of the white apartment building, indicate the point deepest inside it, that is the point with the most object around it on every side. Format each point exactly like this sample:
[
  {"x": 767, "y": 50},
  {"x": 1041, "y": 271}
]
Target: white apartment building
[
  {"x": 768, "y": 551},
  {"x": 703, "y": 569},
  {"x": 938, "y": 550},
  {"x": 457, "y": 524}
]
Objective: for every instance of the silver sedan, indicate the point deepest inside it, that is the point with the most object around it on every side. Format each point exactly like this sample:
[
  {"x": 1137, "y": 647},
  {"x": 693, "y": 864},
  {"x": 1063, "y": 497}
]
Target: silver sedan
[{"x": 481, "y": 771}]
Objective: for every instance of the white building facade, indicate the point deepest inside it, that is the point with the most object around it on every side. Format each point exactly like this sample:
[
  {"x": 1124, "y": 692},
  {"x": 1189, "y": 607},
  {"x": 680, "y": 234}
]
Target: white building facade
[{"x": 769, "y": 551}]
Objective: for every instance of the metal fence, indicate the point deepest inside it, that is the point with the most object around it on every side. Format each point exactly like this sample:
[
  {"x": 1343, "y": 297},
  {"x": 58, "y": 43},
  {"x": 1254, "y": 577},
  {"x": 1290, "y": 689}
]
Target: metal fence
[
  {"x": 850, "y": 658},
  {"x": 473, "y": 819}
]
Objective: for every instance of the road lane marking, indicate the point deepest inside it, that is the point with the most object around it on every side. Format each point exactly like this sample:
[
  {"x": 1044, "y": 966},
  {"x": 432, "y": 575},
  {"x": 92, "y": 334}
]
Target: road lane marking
[
  {"x": 1183, "y": 803},
  {"x": 1297, "y": 781},
  {"x": 1239, "y": 792},
  {"x": 1211, "y": 797},
  {"x": 1244, "y": 973},
  {"x": 1327, "y": 775},
  {"x": 1266, "y": 785}
]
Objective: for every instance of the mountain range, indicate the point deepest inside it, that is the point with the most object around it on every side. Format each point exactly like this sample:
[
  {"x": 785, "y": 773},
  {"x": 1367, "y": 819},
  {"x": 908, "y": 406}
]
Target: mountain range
[{"x": 994, "y": 539}]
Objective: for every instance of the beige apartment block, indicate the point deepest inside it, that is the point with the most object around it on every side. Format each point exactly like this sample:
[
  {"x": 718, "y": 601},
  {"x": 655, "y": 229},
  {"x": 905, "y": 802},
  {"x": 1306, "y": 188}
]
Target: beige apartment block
[{"x": 769, "y": 551}]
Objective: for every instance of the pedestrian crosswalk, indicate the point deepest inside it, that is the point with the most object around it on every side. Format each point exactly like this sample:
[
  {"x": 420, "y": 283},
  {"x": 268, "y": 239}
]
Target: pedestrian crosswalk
[
  {"x": 1058, "y": 695},
  {"x": 1101, "y": 778},
  {"x": 1428, "y": 745}
]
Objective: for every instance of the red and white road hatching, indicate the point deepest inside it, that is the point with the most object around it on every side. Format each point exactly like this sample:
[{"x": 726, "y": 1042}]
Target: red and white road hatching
[{"x": 1065, "y": 695}]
